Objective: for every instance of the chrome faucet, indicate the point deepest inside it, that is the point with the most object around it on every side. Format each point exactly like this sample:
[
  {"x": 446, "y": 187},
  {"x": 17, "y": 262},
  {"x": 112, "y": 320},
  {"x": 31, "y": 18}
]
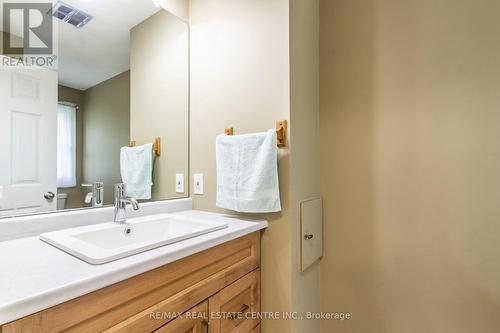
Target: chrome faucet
[{"x": 121, "y": 201}]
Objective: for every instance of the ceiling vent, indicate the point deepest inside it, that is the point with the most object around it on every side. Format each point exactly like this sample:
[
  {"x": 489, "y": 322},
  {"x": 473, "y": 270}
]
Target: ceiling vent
[{"x": 70, "y": 14}]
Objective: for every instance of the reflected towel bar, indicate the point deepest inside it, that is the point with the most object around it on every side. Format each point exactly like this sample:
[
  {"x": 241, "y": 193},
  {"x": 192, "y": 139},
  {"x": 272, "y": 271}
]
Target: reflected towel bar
[
  {"x": 156, "y": 145},
  {"x": 281, "y": 128}
]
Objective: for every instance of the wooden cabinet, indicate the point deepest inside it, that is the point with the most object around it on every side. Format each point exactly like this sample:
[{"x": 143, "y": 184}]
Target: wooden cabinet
[
  {"x": 233, "y": 308},
  {"x": 224, "y": 279},
  {"x": 230, "y": 310},
  {"x": 193, "y": 321}
]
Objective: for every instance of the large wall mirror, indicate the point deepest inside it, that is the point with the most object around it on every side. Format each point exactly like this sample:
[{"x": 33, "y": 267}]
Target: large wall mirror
[{"x": 122, "y": 77}]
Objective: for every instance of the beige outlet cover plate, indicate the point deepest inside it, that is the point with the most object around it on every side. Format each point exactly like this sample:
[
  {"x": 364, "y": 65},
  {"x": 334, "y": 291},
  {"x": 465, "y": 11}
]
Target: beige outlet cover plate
[{"x": 311, "y": 232}]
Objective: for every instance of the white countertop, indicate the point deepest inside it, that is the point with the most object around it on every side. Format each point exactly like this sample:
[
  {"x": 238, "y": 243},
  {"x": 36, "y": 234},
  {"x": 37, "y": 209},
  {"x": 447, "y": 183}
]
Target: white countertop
[{"x": 35, "y": 276}]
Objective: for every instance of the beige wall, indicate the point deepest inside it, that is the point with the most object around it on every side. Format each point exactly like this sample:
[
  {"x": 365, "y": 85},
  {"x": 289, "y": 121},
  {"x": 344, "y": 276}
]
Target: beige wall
[
  {"x": 304, "y": 140},
  {"x": 75, "y": 194},
  {"x": 179, "y": 8},
  {"x": 159, "y": 81},
  {"x": 410, "y": 163},
  {"x": 106, "y": 130},
  {"x": 240, "y": 79}
]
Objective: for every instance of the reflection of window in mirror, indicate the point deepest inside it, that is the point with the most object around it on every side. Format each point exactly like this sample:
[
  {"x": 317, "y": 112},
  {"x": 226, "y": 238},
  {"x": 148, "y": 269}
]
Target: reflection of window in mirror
[{"x": 66, "y": 146}]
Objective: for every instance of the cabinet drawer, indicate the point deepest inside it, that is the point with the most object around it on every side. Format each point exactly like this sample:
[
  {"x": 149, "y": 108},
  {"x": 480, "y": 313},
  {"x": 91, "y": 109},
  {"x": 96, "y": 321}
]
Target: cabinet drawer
[
  {"x": 193, "y": 321},
  {"x": 231, "y": 308}
]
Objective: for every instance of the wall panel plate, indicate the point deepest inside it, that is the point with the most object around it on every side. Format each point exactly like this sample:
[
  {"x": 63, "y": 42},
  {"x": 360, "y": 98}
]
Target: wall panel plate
[{"x": 311, "y": 232}]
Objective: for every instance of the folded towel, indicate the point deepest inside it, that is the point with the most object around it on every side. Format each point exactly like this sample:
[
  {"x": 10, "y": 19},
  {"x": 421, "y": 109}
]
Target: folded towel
[
  {"x": 247, "y": 172},
  {"x": 136, "y": 167}
]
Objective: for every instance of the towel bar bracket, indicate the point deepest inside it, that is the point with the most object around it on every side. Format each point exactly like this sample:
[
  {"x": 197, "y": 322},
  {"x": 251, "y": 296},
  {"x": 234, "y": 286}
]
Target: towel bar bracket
[{"x": 281, "y": 128}]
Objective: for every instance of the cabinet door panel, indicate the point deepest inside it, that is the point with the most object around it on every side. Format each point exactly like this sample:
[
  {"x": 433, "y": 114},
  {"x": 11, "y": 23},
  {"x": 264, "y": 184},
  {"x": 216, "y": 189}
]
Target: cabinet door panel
[
  {"x": 256, "y": 330},
  {"x": 193, "y": 321},
  {"x": 233, "y": 308}
]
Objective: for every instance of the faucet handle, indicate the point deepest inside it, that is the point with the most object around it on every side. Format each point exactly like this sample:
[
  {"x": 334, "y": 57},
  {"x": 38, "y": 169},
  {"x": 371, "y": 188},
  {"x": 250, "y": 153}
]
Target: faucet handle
[{"x": 120, "y": 189}]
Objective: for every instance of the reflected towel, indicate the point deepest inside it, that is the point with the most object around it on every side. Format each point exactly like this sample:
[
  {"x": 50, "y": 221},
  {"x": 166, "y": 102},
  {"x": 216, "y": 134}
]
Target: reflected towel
[
  {"x": 136, "y": 167},
  {"x": 247, "y": 172}
]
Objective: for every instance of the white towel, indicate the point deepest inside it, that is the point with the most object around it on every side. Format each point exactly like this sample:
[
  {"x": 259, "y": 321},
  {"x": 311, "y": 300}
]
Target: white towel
[
  {"x": 247, "y": 172},
  {"x": 136, "y": 167}
]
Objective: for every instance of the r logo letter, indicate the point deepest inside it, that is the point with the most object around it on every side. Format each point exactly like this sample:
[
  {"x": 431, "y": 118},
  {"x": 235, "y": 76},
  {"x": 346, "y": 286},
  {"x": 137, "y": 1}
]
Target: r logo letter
[{"x": 29, "y": 25}]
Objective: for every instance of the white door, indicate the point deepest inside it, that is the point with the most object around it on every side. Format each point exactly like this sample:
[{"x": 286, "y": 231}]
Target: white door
[{"x": 28, "y": 127}]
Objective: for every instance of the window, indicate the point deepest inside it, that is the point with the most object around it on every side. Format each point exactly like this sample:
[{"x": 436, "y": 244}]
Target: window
[{"x": 66, "y": 146}]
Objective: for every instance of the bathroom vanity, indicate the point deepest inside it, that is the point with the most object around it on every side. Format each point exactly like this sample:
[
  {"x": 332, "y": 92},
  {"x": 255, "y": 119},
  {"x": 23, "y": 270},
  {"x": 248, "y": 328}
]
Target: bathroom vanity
[{"x": 209, "y": 283}]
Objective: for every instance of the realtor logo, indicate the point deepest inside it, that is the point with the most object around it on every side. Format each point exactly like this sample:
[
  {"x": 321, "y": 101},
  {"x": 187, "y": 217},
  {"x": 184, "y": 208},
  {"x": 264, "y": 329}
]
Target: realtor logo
[{"x": 27, "y": 29}]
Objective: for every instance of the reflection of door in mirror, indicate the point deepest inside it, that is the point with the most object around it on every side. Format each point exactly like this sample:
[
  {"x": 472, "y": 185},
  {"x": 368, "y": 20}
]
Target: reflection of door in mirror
[{"x": 28, "y": 150}]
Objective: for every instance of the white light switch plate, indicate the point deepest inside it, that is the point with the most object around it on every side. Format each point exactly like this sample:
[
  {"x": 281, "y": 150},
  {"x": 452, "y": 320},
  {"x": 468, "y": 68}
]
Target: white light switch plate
[
  {"x": 198, "y": 183},
  {"x": 179, "y": 183}
]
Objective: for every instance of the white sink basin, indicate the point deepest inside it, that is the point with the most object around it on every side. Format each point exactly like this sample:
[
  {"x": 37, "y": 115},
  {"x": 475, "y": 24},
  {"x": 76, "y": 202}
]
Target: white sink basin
[{"x": 102, "y": 243}]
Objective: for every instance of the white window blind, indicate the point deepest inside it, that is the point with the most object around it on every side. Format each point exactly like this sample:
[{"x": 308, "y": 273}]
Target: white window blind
[{"x": 66, "y": 146}]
